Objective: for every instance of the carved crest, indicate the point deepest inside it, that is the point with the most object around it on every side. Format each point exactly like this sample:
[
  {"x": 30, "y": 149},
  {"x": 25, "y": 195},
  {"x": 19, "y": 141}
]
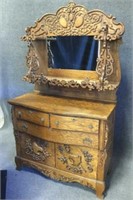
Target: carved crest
[{"x": 74, "y": 20}]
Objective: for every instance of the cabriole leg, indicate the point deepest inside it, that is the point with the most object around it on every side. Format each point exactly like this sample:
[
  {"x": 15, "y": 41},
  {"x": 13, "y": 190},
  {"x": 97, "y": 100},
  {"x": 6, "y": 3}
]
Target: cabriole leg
[{"x": 100, "y": 190}]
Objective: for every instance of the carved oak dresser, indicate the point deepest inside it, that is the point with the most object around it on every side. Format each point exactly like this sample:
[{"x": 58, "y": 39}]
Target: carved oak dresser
[{"x": 64, "y": 128}]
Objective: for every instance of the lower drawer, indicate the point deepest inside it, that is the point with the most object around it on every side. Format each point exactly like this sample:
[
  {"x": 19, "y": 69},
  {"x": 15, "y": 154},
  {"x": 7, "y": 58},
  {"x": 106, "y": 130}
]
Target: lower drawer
[
  {"x": 78, "y": 160},
  {"x": 35, "y": 149}
]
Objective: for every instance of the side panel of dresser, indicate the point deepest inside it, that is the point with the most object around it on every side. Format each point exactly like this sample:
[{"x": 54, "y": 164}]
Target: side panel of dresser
[{"x": 106, "y": 134}]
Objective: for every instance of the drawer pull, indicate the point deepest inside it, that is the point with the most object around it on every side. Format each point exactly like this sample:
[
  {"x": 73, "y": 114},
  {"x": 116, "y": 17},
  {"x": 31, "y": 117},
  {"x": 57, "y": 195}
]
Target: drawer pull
[
  {"x": 90, "y": 126},
  {"x": 57, "y": 123},
  {"x": 19, "y": 114},
  {"x": 73, "y": 120},
  {"x": 30, "y": 111},
  {"x": 42, "y": 119},
  {"x": 24, "y": 126},
  {"x": 87, "y": 141}
]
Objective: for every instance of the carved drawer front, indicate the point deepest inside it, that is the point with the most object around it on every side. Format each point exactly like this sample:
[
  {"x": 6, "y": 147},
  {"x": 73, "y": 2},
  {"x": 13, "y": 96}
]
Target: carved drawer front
[
  {"x": 38, "y": 150},
  {"x": 32, "y": 116},
  {"x": 59, "y": 136},
  {"x": 74, "y": 123},
  {"x": 77, "y": 160}
]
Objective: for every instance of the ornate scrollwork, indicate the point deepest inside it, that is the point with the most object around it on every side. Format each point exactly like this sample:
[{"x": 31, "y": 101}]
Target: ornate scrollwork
[
  {"x": 53, "y": 174},
  {"x": 74, "y": 20},
  {"x": 105, "y": 63},
  {"x": 102, "y": 158},
  {"x": 36, "y": 150},
  {"x": 32, "y": 62},
  {"x": 106, "y": 137},
  {"x": 85, "y": 84}
]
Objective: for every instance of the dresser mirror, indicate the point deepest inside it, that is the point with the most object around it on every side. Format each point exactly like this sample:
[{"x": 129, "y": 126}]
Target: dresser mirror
[
  {"x": 72, "y": 52},
  {"x": 75, "y": 51}
]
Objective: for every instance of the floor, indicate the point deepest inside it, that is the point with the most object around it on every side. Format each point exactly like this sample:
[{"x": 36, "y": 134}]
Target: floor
[{"x": 29, "y": 184}]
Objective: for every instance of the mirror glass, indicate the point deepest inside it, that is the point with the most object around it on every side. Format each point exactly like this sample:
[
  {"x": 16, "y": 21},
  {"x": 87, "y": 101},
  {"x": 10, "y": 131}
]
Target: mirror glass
[{"x": 72, "y": 52}]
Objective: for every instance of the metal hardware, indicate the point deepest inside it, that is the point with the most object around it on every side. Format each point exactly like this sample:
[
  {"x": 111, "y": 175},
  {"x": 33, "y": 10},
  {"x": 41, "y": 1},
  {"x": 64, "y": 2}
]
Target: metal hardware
[
  {"x": 74, "y": 119},
  {"x": 19, "y": 114},
  {"x": 90, "y": 126},
  {"x": 87, "y": 141},
  {"x": 57, "y": 123},
  {"x": 24, "y": 126},
  {"x": 42, "y": 119},
  {"x": 30, "y": 111}
]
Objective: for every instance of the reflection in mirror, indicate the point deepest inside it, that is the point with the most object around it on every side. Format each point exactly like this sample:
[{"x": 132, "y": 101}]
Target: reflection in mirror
[{"x": 72, "y": 52}]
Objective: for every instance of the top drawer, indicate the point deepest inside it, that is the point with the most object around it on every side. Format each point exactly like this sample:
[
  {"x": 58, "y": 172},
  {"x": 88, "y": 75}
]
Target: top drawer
[
  {"x": 74, "y": 123},
  {"x": 36, "y": 117}
]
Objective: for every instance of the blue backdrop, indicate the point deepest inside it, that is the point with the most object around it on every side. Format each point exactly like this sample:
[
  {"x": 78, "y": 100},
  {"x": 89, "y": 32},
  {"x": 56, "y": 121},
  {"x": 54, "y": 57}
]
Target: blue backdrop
[{"x": 74, "y": 52}]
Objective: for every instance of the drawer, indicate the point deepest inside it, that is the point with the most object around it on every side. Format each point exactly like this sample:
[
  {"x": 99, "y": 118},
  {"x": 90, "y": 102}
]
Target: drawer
[
  {"x": 38, "y": 150},
  {"x": 74, "y": 123},
  {"x": 77, "y": 160},
  {"x": 32, "y": 116},
  {"x": 59, "y": 136}
]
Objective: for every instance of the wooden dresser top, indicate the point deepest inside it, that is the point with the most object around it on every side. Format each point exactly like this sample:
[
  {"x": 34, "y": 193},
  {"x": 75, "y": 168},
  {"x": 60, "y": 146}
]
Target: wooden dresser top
[{"x": 64, "y": 106}]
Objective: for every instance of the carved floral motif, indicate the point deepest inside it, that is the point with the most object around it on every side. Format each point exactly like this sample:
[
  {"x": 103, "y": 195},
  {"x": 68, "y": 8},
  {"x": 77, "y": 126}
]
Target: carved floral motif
[
  {"x": 36, "y": 150},
  {"x": 73, "y": 162},
  {"x": 88, "y": 159},
  {"x": 32, "y": 62}
]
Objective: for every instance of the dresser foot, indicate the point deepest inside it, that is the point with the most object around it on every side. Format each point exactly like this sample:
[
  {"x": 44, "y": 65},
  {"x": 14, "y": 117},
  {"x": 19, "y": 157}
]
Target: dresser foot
[
  {"x": 18, "y": 163},
  {"x": 100, "y": 190}
]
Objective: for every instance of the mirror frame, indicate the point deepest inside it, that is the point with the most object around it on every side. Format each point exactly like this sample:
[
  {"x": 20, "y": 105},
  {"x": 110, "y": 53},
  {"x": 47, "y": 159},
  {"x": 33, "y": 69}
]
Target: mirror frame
[{"x": 75, "y": 20}]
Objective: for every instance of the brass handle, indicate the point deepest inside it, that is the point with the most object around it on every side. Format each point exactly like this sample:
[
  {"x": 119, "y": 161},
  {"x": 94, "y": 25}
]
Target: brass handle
[
  {"x": 24, "y": 126},
  {"x": 74, "y": 119},
  {"x": 19, "y": 114},
  {"x": 42, "y": 119},
  {"x": 30, "y": 111},
  {"x": 90, "y": 126},
  {"x": 87, "y": 141},
  {"x": 57, "y": 123}
]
